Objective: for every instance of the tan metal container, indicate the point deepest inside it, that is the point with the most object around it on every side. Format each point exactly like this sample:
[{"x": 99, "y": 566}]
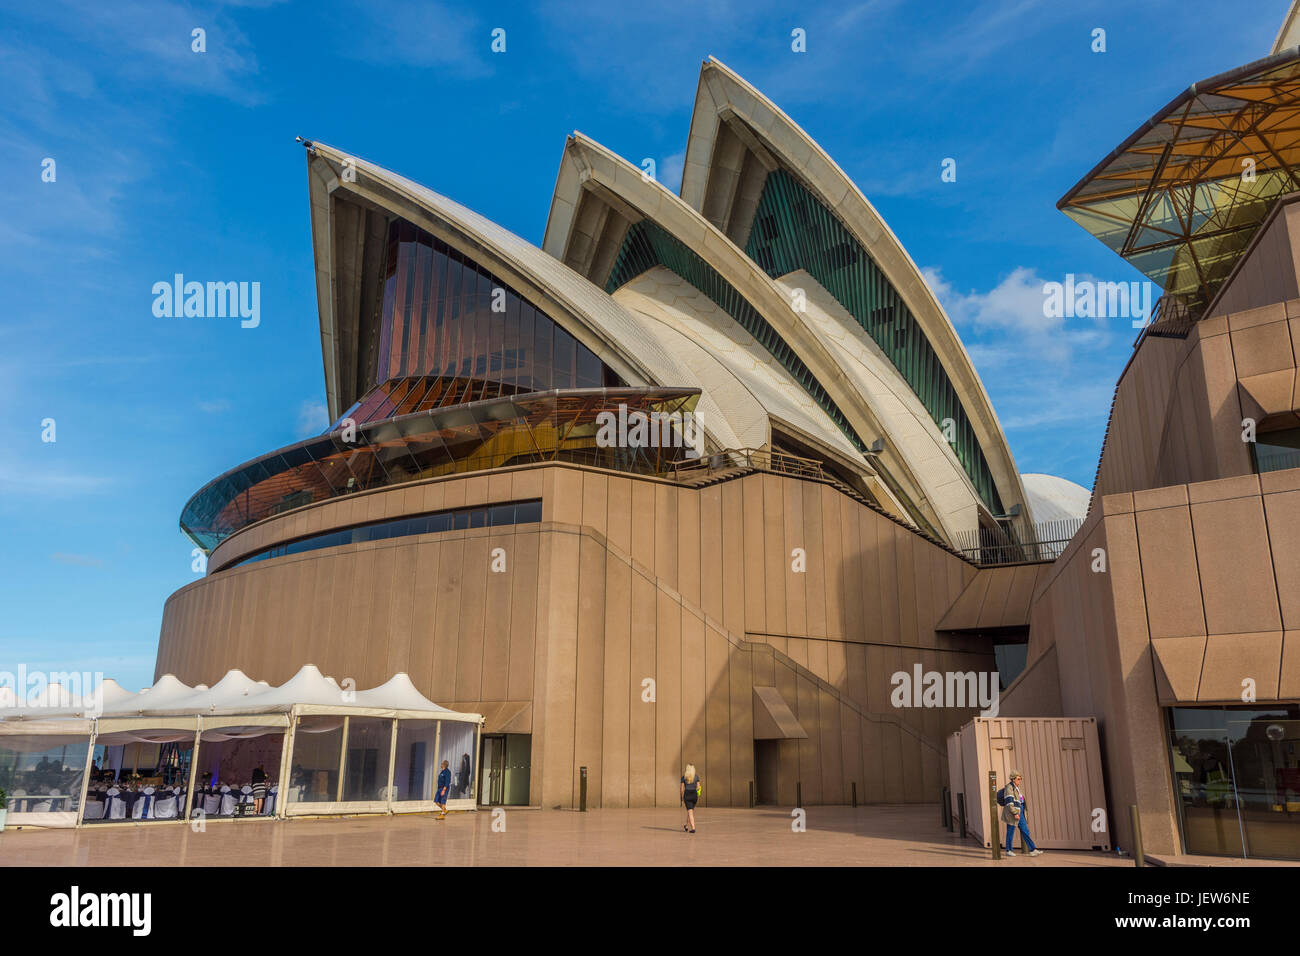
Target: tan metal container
[{"x": 1061, "y": 762}]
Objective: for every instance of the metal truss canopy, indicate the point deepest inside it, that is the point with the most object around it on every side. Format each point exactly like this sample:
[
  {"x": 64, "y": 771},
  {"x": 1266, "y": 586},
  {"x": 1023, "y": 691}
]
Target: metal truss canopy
[{"x": 1182, "y": 197}]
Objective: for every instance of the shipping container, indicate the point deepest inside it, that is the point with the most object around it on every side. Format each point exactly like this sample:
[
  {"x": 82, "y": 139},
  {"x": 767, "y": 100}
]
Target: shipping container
[{"x": 1060, "y": 760}]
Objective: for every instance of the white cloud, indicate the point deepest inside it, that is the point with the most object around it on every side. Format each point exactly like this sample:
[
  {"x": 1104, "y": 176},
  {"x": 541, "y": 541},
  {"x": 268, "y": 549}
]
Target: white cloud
[
  {"x": 670, "y": 171},
  {"x": 1050, "y": 378},
  {"x": 313, "y": 418},
  {"x": 1010, "y": 319},
  {"x": 81, "y": 560},
  {"x": 27, "y": 480}
]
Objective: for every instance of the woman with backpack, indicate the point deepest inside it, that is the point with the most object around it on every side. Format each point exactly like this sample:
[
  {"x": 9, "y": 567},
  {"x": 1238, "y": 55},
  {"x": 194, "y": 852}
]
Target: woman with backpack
[
  {"x": 691, "y": 787},
  {"x": 1015, "y": 814}
]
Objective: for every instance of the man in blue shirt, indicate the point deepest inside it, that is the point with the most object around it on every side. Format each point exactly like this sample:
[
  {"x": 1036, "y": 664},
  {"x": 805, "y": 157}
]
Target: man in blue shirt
[{"x": 444, "y": 785}]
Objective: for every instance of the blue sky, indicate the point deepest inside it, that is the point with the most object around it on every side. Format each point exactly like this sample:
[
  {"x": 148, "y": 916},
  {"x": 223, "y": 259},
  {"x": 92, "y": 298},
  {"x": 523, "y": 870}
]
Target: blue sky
[{"x": 173, "y": 161}]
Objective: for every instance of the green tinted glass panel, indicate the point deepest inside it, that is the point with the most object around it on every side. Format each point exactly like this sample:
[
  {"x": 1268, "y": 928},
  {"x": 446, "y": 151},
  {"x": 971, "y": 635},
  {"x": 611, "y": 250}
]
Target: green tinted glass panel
[{"x": 792, "y": 230}]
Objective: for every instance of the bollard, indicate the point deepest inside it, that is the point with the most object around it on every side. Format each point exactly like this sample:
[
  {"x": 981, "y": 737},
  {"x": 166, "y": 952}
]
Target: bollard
[
  {"x": 798, "y": 793},
  {"x": 993, "y": 815},
  {"x": 855, "y": 794},
  {"x": 1139, "y": 855},
  {"x": 961, "y": 813},
  {"x": 945, "y": 820},
  {"x": 582, "y": 790},
  {"x": 751, "y": 795}
]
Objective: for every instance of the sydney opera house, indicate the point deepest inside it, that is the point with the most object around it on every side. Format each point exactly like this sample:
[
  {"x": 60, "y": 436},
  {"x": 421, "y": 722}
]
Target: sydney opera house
[
  {"x": 618, "y": 602},
  {"x": 738, "y": 599}
]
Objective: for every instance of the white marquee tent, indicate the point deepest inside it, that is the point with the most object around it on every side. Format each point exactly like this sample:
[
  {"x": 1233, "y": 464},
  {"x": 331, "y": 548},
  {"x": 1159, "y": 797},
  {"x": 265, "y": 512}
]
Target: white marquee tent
[{"x": 236, "y": 749}]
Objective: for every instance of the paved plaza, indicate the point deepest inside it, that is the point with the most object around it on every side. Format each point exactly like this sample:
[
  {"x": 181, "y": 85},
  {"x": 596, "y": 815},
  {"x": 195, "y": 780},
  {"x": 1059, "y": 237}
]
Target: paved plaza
[{"x": 835, "y": 836}]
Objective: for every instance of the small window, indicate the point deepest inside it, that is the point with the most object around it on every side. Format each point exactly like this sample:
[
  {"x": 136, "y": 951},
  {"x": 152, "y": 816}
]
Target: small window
[{"x": 1276, "y": 450}]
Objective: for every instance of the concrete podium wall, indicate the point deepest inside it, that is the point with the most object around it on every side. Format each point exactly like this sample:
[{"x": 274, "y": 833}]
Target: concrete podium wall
[{"x": 625, "y": 579}]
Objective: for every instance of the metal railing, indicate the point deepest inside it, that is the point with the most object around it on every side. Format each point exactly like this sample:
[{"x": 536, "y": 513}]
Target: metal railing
[
  {"x": 732, "y": 459},
  {"x": 990, "y": 546},
  {"x": 1172, "y": 317}
]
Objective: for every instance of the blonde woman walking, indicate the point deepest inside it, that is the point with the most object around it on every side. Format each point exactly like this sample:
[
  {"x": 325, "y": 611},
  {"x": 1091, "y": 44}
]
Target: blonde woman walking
[{"x": 691, "y": 786}]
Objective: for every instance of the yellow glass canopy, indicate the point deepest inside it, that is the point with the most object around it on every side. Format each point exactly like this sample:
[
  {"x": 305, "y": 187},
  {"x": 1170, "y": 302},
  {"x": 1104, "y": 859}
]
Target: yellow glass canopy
[{"x": 1181, "y": 198}]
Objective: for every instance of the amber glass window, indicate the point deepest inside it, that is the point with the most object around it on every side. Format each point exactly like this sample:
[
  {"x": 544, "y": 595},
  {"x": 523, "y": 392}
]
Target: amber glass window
[{"x": 448, "y": 318}]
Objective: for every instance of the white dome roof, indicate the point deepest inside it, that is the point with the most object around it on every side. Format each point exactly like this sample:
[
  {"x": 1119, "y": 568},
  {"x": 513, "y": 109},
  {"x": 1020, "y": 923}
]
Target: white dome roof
[{"x": 1055, "y": 499}]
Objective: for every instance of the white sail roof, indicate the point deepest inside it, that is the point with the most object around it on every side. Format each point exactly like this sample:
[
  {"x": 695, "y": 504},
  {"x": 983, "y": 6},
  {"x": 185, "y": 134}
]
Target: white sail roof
[{"x": 235, "y": 693}]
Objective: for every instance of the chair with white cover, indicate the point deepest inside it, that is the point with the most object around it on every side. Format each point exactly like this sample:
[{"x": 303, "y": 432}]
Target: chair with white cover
[
  {"x": 211, "y": 803},
  {"x": 164, "y": 807},
  {"x": 116, "y": 805},
  {"x": 94, "y": 809},
  {"x": 143, "y": 809},
  {"x": 227, "y": 801},
  {"x": 269, "y": 807},
  {"x": 246, "y": 794}
]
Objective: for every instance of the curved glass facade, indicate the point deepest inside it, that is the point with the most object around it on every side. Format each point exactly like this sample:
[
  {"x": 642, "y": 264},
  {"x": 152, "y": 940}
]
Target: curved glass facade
[
  {"x": 497, "y": 433},
  {"x": 792, "y": 230},
  {"x": 448, "y": 320}
]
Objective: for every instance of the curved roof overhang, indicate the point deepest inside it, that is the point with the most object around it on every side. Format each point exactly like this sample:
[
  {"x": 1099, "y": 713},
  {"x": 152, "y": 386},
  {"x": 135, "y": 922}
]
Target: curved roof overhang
[
  {"x": 1182, "y": 196},
  {"x": 759, "y": 138},
  {"x": 579, "y": 232},
  {"x": 517, "y": 429},
  {"x": 351, "y": 202}
]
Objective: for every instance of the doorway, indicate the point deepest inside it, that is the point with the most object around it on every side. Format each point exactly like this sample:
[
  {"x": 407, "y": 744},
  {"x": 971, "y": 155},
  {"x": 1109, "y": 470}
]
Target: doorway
[
  {"x": 766, "y": 761},
  {"x": 506, "y": 765}
]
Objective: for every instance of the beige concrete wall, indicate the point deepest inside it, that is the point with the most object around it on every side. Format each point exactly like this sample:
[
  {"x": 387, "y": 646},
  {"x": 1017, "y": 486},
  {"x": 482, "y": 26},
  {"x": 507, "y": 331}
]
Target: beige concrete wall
[
  {"x": 1196, "y": 605},
  {"x": 1203, "y": 556},
  {"x": 1180, "y": 404},
  {"x": 624, "y": 579},
  {"x": 1177, "y": 414}
]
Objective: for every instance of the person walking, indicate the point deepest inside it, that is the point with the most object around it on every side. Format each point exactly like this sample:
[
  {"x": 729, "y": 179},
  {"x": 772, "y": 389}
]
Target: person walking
[
  {"x": 691, "y": 786},
  {"x": 1015, "y": 814},
  {"x": 444, "y": 785}
]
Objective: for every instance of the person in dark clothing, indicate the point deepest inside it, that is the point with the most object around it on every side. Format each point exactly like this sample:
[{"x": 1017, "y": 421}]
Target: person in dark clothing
[
  {"x": 259, "y": 788},
  {"x": 462, "y": 777},
  {"x": 690, "y": 795},
  {"x": 444, "y": 785}
]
